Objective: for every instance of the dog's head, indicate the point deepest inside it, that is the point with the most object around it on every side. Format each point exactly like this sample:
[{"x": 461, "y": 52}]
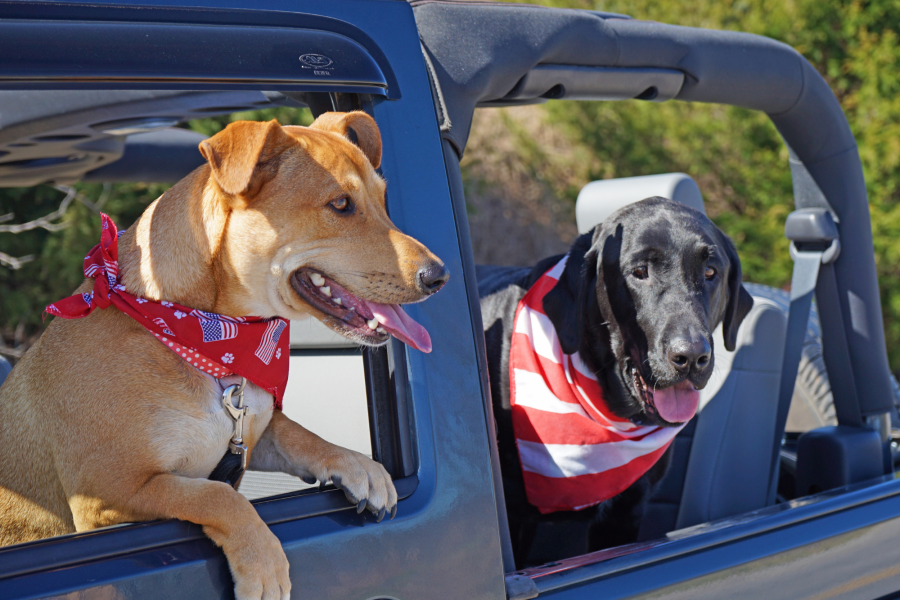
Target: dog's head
[
  {"x": 641, "y": 295},
  {"x": 307, "y": 231}
]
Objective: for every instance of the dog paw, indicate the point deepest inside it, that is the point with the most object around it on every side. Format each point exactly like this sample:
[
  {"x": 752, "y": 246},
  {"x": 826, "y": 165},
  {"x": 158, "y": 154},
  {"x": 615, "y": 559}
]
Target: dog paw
[
  {"x": 364, "y": 482},
  {"x": 258, "y": 566}
]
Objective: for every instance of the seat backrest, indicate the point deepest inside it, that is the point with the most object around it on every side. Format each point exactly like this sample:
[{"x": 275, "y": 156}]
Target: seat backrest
[
  {"x": 599, "y": 199},
  {"x": 728, "y": 467},
  {"x": 718, "y": 467}
]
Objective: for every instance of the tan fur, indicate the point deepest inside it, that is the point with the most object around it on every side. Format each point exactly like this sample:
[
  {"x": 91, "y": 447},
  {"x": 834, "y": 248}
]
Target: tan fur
[{"x": 101, "y": 424}]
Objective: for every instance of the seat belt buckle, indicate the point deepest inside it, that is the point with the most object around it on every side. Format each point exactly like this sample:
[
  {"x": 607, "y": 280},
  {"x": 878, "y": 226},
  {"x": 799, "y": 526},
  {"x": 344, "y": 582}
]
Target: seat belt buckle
[{"x": 813, "y": 230}]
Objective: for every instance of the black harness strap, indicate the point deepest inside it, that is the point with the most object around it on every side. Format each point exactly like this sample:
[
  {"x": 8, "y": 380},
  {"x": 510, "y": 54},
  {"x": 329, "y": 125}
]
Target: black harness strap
[{"x": 229, "y": 470}]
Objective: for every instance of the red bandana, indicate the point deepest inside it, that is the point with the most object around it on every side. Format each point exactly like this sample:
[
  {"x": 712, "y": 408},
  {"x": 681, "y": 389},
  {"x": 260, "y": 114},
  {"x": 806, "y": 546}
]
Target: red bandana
[
  {"x": 252, "y": 347},
  {"x": 574, "y": 452}
]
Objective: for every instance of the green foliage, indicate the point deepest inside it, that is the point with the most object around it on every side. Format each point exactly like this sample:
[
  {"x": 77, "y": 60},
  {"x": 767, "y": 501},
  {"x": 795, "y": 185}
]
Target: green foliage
[
  {"x": 59, "y": 256},
  {"x": 736, "y": 155}
]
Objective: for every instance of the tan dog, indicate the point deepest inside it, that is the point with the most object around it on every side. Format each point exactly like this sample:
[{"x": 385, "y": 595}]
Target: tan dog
[{"x": 100, "y": 423}]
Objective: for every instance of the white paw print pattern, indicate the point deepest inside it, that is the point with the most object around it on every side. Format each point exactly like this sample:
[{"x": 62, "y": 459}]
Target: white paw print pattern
[
  {"x": 278, "y": 354},
  {"x": 179, "y": 314},
  {"x": 228, "y": 358},
  {"x": 166, "y": 304},
  {"x": 141, "y": 300},
  {"x": 120, "y": 287}
]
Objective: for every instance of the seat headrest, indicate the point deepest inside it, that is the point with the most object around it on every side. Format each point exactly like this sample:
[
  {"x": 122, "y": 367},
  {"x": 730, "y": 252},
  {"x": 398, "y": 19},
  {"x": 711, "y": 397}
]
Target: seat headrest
[{"x": 599, "y": 199}]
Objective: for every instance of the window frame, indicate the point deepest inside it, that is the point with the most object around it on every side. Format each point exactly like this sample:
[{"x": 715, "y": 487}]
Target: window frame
[{"x": 390, "y": 428}]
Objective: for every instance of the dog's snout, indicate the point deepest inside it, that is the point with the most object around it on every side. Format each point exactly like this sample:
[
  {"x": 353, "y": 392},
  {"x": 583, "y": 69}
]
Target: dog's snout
[
  {"x": 433, "y": 277},
  {"x": 686, "y": 354}
]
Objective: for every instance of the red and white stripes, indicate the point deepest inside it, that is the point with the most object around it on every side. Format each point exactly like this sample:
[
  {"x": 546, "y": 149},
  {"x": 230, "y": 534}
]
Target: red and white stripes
[{"x": 574, "y": 452}]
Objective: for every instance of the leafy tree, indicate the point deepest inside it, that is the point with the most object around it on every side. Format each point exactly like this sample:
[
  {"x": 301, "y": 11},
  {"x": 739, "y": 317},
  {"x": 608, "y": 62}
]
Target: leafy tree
[{"x": 736, "y": 155}]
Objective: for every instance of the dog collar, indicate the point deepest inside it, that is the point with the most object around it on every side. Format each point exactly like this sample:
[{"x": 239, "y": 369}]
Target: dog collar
[
  {"x": 574, "y": 452},
  {"x": 252, "y": 347}
]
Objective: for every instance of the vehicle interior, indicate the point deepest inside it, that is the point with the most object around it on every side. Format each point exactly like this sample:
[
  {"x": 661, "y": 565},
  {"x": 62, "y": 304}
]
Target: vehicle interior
[
  {"x": 142, "y": 136},
  {"x": 61, "y": 137}
]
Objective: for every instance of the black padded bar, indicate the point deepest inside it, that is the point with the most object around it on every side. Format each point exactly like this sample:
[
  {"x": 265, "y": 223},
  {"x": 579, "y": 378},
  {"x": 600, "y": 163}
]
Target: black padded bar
[
  {"x": 759, "y": 73},
  {"x": 159, "y": 156},
  {"x": 481, "y": 52}
]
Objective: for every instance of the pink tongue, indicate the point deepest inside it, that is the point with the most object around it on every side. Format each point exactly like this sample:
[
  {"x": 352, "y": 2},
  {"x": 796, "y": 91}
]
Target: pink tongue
[
  {"x": 400, "y": 325},
  {"x": 677, "y": 404}
]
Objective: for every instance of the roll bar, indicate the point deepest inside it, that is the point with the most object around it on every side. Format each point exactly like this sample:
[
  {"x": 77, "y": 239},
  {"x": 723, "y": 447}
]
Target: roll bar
[{"x": 490, "y": 54}]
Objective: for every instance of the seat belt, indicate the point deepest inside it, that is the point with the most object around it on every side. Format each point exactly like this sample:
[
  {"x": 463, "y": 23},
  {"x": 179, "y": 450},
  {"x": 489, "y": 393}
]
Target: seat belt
[{"x": 814, "y": 242}]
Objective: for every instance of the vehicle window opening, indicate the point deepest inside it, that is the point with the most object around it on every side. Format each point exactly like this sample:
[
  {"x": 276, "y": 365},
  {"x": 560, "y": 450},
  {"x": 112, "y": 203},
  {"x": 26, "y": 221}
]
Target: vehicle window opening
[
  {"x": 351, "y": 396},
  {"x": 515, "y": 223}
]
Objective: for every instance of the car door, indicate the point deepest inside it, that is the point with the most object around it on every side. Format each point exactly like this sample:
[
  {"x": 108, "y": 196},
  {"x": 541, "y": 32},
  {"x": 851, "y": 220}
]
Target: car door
[{"x": 426, "y": 418}]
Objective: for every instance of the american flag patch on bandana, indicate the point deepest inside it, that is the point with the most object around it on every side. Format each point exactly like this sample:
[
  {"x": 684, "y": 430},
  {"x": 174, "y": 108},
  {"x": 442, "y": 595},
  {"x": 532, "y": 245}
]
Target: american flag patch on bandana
[
  {"x": 184, "y": 330},
  {"x": 217, "y": 328},
  {"x": 269, "y": 340}
]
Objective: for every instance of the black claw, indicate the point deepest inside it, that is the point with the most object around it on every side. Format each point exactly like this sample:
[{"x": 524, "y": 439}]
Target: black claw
[
  {"x": 322, "y": 484},
  {"x": 393, "y": 512},
  {"x": 381, "y": 514},
  {"x": 309, "y": 479},
  {"x": 361, "y": 506}
]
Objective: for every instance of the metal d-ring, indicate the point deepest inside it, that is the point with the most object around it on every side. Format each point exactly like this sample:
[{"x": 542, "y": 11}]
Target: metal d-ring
[{"x": 237, "y": 414}]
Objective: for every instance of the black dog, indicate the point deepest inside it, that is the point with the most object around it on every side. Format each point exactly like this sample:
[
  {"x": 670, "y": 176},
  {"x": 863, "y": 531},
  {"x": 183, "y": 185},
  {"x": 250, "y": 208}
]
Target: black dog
[{"x": 639, "y": 299}]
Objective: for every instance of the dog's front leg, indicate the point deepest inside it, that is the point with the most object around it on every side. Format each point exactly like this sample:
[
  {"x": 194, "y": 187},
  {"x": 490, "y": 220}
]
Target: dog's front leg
[
  {"x": 255, "y": 556},
  {"x": 287, "y": 447}
]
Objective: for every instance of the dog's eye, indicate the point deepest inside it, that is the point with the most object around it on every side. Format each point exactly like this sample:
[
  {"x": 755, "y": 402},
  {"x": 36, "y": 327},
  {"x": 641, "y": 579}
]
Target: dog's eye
[
  {"x": 342, "y": 204},
  {"x": 641, "y": 273},
  {"x": 710, "y": 273}
]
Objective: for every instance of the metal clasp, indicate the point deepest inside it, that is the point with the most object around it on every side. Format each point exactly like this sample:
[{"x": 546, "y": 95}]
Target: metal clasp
[
  {"x": 813, "y": 230},
  {"x": 237, "y": 414}
]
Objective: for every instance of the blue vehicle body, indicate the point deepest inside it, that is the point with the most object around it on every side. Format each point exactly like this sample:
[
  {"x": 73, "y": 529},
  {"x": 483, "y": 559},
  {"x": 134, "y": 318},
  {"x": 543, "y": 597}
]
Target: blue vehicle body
[{"x": 449, "y": 539}]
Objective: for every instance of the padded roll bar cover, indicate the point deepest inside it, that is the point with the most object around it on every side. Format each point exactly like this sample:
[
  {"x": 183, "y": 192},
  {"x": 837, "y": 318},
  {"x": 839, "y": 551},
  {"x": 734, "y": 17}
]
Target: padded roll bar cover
[
  {"x": 835, "y": 456},
  {"x": 480, "y": 52},
  {"x": 599, "y": 199},
  {"x": 161, "y": 156}
]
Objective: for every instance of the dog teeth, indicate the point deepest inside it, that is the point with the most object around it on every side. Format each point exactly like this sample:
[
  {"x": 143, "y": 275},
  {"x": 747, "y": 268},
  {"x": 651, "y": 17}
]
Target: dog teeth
[
  {"x": 317, "y": 279},
  {"x": 372, "y": 323},
  {"x": 337, "y": 301},
  {"x": 380, "y": 330},
  {"x": 326, "y": 290}
]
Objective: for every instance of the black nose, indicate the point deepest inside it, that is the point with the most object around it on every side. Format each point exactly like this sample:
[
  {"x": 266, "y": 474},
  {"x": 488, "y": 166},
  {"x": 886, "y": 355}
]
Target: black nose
[
  {"x": 433, "y": 277},
  {"x": 689, "y": 353}
]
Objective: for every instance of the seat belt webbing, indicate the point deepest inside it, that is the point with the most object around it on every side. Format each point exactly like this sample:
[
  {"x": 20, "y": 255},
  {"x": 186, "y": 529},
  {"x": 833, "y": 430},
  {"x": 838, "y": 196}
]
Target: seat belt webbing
[{"x": 814, "y": 242}]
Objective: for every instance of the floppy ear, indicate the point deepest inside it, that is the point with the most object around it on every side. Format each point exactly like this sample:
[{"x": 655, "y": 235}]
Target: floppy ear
[
  {"x": 356, "y": 126},
  {"x": 241, "y": 155},
  {"x": 739, "y": 299},
  {"x": 565, "y": 304}
]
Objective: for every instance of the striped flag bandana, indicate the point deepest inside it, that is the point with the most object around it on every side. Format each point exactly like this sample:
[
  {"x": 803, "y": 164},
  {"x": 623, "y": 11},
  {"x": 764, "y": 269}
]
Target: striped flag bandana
[
  {"x": 574, "y": 452},
  {"x": 252, "y": 347}
]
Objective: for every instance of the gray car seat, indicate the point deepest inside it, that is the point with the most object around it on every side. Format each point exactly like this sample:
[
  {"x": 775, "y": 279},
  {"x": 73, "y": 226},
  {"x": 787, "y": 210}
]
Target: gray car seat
[{"x": 720, "y": 461}]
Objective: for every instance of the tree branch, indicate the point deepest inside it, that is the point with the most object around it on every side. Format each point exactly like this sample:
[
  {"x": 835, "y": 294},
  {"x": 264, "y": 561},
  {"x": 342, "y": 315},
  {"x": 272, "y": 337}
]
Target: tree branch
[
  {"x": 46, "y": 222},
  {"x": 13, "y": 262},
  {"x": 16, "y": 352}
]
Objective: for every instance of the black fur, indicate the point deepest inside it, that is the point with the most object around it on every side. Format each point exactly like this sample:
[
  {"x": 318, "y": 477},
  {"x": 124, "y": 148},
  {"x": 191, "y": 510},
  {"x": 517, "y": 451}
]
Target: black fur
[{"x": 622, "y": 326}]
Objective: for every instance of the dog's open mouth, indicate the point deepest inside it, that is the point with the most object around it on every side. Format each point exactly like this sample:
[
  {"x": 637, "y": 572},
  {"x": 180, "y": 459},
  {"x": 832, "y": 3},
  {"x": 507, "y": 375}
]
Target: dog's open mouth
[
  {"x": 675, "y": 404},
  {"x": 368, "y": 321}
]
